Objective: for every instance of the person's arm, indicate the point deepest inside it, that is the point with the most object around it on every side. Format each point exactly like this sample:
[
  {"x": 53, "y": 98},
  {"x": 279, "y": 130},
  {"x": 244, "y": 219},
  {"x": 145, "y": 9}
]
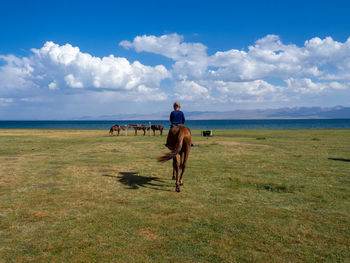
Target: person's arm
[
  {"x": 183, "y": 118},
  {"x": 171, "y": 117}
]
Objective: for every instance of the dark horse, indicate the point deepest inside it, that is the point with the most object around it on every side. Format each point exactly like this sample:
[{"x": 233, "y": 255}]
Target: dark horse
[
  {"x": 155, "y": 128},
  {"x": 116, "y": 128},
  {"x": 178, "y": 142},
  {"x": 138, "y": 127}
]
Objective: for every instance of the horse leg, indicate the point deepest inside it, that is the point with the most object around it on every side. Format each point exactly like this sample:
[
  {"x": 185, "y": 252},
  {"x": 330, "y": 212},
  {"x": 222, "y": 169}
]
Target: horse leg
[
  {"x": 176, "y": 171},
  {"x": 135, "y": 131},
  {"x": 144, "y": 132},
  {"x": 118, "y": 131},
  {"x": 154, "y": 132},
  {"x": 184, "y": 157},
  {"x": 174, "y": 167}
]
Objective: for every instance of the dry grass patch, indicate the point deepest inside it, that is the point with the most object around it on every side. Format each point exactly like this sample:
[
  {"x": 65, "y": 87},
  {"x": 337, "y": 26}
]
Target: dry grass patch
[{"x": 148, "y": 234}]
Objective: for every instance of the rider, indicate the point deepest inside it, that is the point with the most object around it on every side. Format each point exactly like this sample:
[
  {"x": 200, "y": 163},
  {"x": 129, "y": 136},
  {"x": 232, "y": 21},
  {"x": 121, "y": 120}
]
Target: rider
[{"x": 177, "y": 117}]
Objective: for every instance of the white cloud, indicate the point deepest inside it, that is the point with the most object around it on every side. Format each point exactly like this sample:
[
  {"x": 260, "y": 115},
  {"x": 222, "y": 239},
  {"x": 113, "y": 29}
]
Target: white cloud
[
  {"x": 246, "y": 73},
  {"x": 267, "y": 58},
  {"x": 307, "y": 86},
  {"x": 72, "y": 82},
  {"x": 171, "y": 46},
  {"x": 66, "y": 67},
  {"x": 247, "y": 91},
  {"x": 267, "y": 71},
  {"x": 5, "y": 101},
  {"x": 31, "y": 99},
  {"x": 52, "y": 85},
  {"x": 190, "y": 91},
  {"x": 15, "y": 75},
  {"x": 190, "y": 58}
]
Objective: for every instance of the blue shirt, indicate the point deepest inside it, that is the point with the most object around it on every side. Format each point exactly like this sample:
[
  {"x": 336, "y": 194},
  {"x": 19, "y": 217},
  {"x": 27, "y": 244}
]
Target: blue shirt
[{"x": 177, "y": 117}]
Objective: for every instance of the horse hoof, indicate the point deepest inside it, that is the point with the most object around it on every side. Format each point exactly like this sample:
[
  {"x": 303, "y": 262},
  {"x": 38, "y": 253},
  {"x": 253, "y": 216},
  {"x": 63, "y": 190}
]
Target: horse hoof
[
  {"x": 181, "y": 183},
  {"x": 178, "y": 189}
]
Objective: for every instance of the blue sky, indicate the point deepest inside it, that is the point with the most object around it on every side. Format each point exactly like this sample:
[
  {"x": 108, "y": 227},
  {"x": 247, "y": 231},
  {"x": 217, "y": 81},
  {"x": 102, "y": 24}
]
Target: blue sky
[{"x": 56, "y": 63}]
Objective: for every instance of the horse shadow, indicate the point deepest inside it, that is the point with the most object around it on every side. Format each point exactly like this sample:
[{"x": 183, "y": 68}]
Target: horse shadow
[
  {"x": 339, "y": 159},
  {"x": 134, "y": 181}
]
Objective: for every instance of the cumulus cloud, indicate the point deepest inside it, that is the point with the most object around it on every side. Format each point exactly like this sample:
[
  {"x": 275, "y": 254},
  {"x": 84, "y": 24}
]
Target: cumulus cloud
[
  {"x": 65, "y": 67},
  {"x": 190, "y": 91},
  {"x": 267, "y": 71},
  {"x": 171, "y": 46},
  {"x": 190, "y": 58},
  {"x": 307, "y": 86},
  {"x": 245, "y": 73},
  {"x": 270, "y": 58}
]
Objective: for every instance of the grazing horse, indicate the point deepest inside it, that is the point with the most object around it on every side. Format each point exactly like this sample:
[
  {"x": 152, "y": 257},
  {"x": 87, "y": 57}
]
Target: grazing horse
[
  {"x": 138, "y": 127},
  {"x": 155, "y": 128},
  {"x": 178, "y": 142},
  {"x": 116, "y": 128}
]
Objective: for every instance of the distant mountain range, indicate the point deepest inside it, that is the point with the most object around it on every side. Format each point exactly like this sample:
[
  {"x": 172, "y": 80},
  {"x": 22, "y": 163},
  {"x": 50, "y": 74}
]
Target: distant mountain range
[{"x": 338, "y": 112}]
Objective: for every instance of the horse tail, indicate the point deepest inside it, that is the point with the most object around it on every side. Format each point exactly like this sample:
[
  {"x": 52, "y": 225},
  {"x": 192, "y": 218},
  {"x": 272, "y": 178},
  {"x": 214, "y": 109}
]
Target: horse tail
[{"x": 175, "y": 151}]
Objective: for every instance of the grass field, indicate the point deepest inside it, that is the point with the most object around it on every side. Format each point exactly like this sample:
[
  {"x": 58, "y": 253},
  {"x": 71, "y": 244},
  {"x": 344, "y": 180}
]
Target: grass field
[{"x": 248, "y": 196}]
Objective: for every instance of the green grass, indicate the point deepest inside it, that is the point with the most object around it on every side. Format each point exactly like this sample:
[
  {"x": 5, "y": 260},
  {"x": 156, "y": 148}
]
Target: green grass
[{"x": 248, "y": 196}]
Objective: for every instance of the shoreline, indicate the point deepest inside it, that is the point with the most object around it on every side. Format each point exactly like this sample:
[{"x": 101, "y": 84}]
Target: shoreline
[
  {"x": 140, "y": 134},
  {"x": 280, "y": 124}
]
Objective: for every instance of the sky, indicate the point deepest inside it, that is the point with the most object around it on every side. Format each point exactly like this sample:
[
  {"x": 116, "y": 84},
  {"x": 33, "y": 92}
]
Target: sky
[{"x": 70, "y": 59}]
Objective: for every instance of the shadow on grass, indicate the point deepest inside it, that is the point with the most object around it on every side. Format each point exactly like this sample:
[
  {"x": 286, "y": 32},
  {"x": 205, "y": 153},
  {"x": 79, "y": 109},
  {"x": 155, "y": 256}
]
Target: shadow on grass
[
  {"x": 134, "y": 181},
  {"x": 339, "y": 159}
]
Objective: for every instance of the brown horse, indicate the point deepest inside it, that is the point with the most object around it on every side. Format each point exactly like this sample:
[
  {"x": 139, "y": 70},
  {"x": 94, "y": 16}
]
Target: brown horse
[
  {"x": 138, "y": 127},
  {"x": 179, "y": 142},
  {"x": 155, "y": 128},
  {"x": 116, "y": 128}
]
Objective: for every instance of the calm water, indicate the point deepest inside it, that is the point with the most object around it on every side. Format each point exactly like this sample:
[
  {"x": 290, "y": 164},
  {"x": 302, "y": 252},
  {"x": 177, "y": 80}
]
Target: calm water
[{"x": 192, "y": 124}]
